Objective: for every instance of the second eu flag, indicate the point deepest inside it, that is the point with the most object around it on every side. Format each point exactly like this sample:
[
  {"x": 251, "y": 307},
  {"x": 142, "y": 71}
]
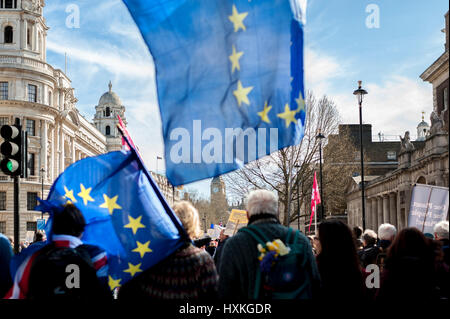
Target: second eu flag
[{"x": 229, "y": 76}]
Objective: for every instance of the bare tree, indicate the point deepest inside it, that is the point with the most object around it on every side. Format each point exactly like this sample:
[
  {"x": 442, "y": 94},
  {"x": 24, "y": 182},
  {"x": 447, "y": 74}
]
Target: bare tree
[{"x": 290, "y": 171}]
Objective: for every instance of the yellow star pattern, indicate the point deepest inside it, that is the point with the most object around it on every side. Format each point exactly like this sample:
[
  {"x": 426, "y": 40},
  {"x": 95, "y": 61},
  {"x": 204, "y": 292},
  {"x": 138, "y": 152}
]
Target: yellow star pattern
[
  {"x": 85, "y": 194},
  {"x": 288, "y": 115},
  {"x": 113, "y": 283},
  {"x": 238, "y": 19},
  {"x": 69, "y": 195},
  {"x": 241, "y": 93},
  {"x": 135, "y": 224},
  {"x": 133, "y": 269},
  {"x": 234, "y": 58},
  {"x": 142, "y": 249},
  {"x": 264, "y": 113},
  {"x": 300, "y": 102},
  {"x": 110, "y": 203}
]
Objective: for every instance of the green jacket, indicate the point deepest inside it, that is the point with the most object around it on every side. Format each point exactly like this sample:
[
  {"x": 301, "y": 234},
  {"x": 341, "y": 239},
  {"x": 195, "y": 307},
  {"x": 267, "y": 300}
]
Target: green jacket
[{"x": 239, "y": 261}]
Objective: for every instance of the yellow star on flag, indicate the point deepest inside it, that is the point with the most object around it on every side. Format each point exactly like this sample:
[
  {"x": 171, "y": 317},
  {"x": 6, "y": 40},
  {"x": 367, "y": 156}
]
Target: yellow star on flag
[
  {"x": 264, "y": 113},
  {"x": 288, "y": 115},
  {"x": 113, "y": 283},
  {"x": 234, "y": 58},
  {"x": 85, "y": 194},
  {"x": 241, "y": 93},
  {"x": 300, "y": 102},
  {"x": 69, "y": 195},
  {"x": 238, "y": 19},
  {"x": 133, "y": 269},
  {"x": 135, "y": 224},
  {"x": 142, "y": 249},
  {"x": 110, "y": 203}
]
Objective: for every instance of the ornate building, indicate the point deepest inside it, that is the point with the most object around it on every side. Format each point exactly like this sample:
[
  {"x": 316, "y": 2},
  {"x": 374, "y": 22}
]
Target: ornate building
[
  {"x": 388, "y": 196},
  {"x": 105, "y": 119},
  {"x": 44, "y": 101}
]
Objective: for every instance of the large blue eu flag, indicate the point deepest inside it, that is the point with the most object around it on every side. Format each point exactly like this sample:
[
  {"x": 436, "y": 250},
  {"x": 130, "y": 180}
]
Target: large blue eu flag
[
  {"x": 229, "y": 75},
  {"x": 125, "y": 213}
]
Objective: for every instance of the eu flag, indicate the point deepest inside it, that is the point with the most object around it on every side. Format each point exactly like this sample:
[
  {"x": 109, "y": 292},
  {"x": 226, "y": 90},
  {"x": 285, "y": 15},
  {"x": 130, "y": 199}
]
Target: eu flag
[
  {"x": 229, "y": 75},
  {"x": 125, "y": 213}
]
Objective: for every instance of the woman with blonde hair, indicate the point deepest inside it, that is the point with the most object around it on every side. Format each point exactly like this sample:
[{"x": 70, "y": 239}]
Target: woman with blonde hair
[{"x": 188, "y": 273}]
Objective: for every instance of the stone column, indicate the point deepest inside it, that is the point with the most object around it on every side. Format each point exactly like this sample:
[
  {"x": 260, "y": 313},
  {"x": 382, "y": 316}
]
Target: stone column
[
  {"x": 386, "y": 209},
  {"x": 393, "y": 209},
  {"x": 379, "y": 212},
  {"x": 53, "y": 166},
  {"x": 61, "y": 148},
  {"x": 44, "y": 145},
  {"x": 73, "y": 151},
  {"x": 374, "y": 213},
  {"x": 368, "y": 213}
]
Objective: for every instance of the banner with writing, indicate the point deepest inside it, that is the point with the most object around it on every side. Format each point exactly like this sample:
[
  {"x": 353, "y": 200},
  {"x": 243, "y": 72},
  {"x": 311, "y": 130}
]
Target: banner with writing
[
  {"x": 237, "y": 220},
  {"x": 429, "y": 205}
]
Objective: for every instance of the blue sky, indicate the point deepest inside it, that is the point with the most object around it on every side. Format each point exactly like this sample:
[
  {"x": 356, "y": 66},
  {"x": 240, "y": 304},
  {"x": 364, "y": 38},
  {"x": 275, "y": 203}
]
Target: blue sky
[{"x": 339, "y": 51}]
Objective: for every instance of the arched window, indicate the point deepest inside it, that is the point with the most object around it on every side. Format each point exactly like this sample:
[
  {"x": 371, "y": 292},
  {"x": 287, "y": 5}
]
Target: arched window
[
  {"x": 107, "y": 130},
  {"x": 8, "y": 34},
  {"x": 108, "y": 112}
]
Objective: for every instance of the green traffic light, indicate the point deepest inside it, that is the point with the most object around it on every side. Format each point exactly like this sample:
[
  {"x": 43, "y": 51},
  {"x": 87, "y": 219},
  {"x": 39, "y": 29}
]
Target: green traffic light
[{"x": 9, "y": 166}]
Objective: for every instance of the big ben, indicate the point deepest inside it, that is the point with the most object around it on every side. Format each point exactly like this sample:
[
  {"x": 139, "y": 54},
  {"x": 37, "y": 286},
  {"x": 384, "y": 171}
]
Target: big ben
[{"x": 219, "y": 205}]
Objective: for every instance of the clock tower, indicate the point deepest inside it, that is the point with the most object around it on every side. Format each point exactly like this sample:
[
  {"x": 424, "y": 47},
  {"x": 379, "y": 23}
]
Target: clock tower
[{"x": 219, "y": 204}]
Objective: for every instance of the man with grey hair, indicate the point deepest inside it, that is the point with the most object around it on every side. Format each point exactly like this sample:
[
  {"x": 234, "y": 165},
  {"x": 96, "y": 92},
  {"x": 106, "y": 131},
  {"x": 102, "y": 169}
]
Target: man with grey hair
[
  {"x": 239, "y": 266},
  {"x": 368, "y": 255},
  {"x": 386, "y": 234},
  {"x": 441, "y": 235}
]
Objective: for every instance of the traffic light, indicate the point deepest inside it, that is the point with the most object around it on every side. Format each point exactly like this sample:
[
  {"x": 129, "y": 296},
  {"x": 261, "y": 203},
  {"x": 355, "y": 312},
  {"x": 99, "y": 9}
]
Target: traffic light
[{"x": 11, "y": 150}]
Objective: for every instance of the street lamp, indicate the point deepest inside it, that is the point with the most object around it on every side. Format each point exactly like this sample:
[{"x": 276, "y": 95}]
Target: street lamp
[
  {"x": 298, "y": 197},
  {"x": 42, "y": 187},
  {"x": 360, "y": 96},
  {"x": 320, "y": 137}
]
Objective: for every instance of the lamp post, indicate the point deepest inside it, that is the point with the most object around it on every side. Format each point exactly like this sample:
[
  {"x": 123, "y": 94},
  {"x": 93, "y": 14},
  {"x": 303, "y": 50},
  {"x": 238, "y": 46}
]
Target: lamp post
[
  {"x": 320, "y": 137},
  {"x": 157, "y": 158},
  {"x": 42, "y": 188},
  {"x": 360, "y": 96},
  {"x": 298, "y": 197}
]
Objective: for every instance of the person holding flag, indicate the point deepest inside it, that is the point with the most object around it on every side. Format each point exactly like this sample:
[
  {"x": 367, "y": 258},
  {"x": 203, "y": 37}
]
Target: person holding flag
[{"x": 315, "y": 201}]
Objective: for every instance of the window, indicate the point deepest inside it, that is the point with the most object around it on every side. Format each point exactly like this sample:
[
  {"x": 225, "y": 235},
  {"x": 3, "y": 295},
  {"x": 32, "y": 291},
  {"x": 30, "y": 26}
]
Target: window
[
  {"x": 31, "y": 226},
  {"x": 50, "y": 98},
  {"x": 3, "y": 90},
  {"x": 2, "y": 227},
  {"x": 391, "y": 155},
  {"x": 108, "y": 112},
  {"x": 9, "y": 4},
  {"x": 4, "y": 121},
  {"x": 31, "y": 200},
  {"x": 2, "y": 200},
  {"x": 8, "y": 34},
  {"x": 31, "y": 127},
  {"x": 32, "y": 93},
  {"x": 28, "y": 36},
  {"x": 31, "y": 166},
  {"x": 107, "y": 130}
]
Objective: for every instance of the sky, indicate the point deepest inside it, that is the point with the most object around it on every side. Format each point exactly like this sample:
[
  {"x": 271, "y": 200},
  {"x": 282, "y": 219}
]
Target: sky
[{"x": 103, "y": 44}]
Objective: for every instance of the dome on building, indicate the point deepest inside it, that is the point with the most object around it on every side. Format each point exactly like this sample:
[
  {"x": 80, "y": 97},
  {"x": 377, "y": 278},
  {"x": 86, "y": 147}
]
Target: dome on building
[
  {"x": 110, "y": 97},
  {"x": 422, "y": 129}
]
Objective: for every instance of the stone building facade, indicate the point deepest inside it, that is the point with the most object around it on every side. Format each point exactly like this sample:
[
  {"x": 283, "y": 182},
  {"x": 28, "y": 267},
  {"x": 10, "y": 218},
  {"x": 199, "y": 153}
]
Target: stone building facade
[
  {"x": 388, "y": 196},
  {"x": 44, "y": 101}
]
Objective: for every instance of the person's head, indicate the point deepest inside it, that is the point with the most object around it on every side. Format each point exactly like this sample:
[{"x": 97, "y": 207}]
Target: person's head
[
  {"x": 337, "y": 246},
  {"x": 387, "y": 232},
  {"x": 69, "y": 221},
  {"x": 188, "y": 216},
  {"x": 262, "y": 201},
  {"x": 357, "y": 231},
  {"x": 410, "y": 242},
  {"x": 441, "y": 230},
  {"x": 369, "y": 237},
  {"x": 39, "y": 235}
]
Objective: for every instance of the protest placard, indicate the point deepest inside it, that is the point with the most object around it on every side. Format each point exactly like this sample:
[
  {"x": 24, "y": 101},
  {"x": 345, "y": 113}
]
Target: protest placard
[{"x": 237, "y": 220}]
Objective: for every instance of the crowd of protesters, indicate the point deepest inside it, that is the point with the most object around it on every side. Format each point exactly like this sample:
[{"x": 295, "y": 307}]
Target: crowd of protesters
[{"x": 265, "y": 260}]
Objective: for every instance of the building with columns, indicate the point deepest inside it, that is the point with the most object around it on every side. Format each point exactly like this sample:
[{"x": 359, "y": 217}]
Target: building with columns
[
  {"x": 388, "y": 196},
  {"x": 42, "y": 98}
]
